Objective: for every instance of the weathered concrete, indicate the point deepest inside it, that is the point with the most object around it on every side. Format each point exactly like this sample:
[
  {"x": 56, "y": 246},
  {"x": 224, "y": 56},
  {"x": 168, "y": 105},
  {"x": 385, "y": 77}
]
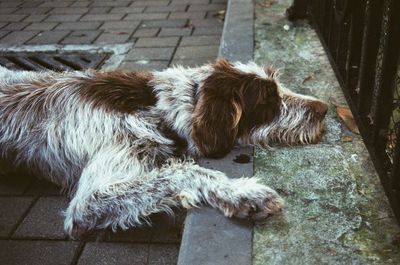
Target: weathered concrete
[{"x": 336, "y": 211}]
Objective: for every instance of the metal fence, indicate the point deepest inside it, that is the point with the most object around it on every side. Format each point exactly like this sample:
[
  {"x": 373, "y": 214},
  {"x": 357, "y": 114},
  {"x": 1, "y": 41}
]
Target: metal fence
[{"x": 362, "y": 40}]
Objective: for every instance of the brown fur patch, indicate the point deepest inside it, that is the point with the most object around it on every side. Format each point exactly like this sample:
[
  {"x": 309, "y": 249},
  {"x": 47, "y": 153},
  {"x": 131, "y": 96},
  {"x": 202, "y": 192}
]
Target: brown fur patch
[
  {"x": 119, "y": 91},
  {"x": 230, "y": 104}
]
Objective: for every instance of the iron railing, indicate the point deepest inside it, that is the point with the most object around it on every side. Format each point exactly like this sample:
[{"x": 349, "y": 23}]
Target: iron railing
[{"x": 362, "y": 40}]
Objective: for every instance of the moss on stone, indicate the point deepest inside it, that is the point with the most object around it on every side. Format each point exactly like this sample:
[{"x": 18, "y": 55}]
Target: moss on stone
[{"x": 336, "y": 211}]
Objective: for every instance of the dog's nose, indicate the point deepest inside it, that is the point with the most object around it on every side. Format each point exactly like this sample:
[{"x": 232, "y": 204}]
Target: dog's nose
[{"x": 320, "y": 108}]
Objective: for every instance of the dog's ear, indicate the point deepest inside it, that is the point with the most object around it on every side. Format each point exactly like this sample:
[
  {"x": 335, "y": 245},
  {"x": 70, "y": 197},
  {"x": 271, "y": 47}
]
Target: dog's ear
[
  {"x": 218, "y": 111},
  {"x": 231, "y": 102},
  {"x": 261, "y": 102}
]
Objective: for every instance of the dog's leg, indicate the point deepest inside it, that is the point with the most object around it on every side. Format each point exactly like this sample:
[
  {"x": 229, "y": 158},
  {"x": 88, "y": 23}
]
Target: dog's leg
[{"x": 125, "y": 202}]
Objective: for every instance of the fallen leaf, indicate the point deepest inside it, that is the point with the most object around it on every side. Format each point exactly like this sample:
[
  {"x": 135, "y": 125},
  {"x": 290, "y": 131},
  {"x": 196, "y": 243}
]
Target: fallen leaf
[
  {"x": 267, "y": 3},
  {"x": 308, "y": 78},
  {"x": 188, "y": 25},
  {"x": 347, "y": 118},
  {"x": 220, "y": 14},
  {"x": 346, "y": 139}
]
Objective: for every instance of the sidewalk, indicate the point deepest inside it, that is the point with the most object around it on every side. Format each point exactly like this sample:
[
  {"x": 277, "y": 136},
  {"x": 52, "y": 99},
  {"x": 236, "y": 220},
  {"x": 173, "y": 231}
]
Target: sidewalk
[
  {"x": 164, "y": 32},
  {"x": 336, "y": 210}
]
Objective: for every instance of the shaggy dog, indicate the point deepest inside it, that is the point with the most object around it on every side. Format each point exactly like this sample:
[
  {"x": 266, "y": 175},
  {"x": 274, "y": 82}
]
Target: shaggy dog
[{"x": 110, "y": 138}]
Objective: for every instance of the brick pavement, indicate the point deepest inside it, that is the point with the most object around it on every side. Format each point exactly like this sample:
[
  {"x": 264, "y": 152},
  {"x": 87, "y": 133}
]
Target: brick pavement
[{"x": 164, "y": 32}]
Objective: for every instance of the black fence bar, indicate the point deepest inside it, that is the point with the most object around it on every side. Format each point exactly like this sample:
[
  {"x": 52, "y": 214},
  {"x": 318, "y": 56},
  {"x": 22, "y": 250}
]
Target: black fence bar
[{"x": 362, "y": 42}]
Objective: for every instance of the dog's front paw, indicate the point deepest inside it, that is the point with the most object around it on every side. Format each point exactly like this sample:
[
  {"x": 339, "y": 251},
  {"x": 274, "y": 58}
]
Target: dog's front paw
[
  {"x": 260, "y": 208},
  {"x": 256, "y": 201}
]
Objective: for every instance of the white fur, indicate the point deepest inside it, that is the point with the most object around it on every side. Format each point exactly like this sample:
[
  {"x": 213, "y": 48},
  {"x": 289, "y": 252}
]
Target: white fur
[{"x": 107, "y": 161}]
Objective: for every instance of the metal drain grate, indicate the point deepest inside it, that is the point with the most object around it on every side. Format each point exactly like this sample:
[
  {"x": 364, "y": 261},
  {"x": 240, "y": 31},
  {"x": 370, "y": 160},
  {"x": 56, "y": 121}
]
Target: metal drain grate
[{"x": 56, "y": 61}]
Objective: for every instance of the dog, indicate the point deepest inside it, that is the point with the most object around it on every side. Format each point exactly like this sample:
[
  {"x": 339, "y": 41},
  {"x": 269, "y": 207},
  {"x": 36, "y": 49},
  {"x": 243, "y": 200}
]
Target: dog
[{"x": 122, "y": 144}]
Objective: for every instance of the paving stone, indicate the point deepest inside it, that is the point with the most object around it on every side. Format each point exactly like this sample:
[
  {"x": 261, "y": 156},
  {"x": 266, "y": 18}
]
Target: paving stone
[
  {"x": 111, "y": 3},
  {"x": 9, "y": 4},
  {"x": 120, "y": 25},
  {"x": 144, "y": 65},
  {"x": 191, "y": 15},
  {"x": 180, "y": 2},
  {"x": 12, "y": 18},
  {"x": 99, "y": 10},
  {"x": 63, "y": 18},
  {"x": 150, "y": 54},
  {"x": 196, "y": 52},
  {"x": 81, "y": 25},
  {"x": 11, "y": 211},
  {"x": 157, "y": 42},
  {"x": 69, "y": 10},
  {"x": 114, "y": 37},
  {"x": 33, "y": 10},
  {"x": 163, "y": 254},
  {"x": 2, "y": 34},
  {"x": 7, "y": 10},
  {"x": 16, "y": 26},
  {"x": 151, "y": 3},
  {"x": 79, "y": 3},
  {"x": 43, "y": 187},
  {"x": 55, "y": 4},
  {"x": 192, "y": 62},
  {"x": 200, "y": 40},
  {"x": 30, "y": 4},
  {"x": 42, "y": 26},
  {"x": 2, "y": 24},
  {"x": 146, "y": 32},
  {"x": 44, "y": 219},
  {"x": 212, "y": 7},
  {"x": 208, "y": 31},
  {"x": 49, "y": 37},
  {"x": 127, "y": 10},
  {"x": 208, "y": 22},
  {"x": 18, "y": 37},
  {"x": 164, "y": 23},
  {"x": 146, "y": 16},
  {"x": 156, "y": 9},
  {"x": 35, "y": 18},
  {"x": 21, "y": 252},
  {"x": 175, "y": 32},
  {"x": 114, "y": 253},
  {"x": 81, "y": 37},
  {"x": 101, "y": 17}
]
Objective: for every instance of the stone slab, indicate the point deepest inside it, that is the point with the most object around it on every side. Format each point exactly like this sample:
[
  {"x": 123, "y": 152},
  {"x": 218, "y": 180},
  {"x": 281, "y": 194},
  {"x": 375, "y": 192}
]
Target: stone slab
[
  {"x": 21, "y": 252},
  {"x": 44, "y": 219},
  {"x": 196, "y": 52},
  {"x": 163, "y": 254},
  {"x": 11, "y": 211},
  {"x": 114, "y": 253}
]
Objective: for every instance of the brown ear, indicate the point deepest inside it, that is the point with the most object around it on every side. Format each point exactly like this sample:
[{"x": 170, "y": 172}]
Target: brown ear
[
  {"x": 217, "y": 113},
  {"x": 230, "y": 104}
]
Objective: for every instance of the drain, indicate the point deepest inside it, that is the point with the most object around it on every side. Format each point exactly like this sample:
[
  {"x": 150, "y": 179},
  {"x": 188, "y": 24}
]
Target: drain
[{"x": 56, "y": 61}]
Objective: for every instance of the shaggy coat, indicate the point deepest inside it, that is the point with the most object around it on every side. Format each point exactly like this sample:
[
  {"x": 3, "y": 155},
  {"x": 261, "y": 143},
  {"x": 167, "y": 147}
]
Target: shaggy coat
[{"x": 110, "y": 138}]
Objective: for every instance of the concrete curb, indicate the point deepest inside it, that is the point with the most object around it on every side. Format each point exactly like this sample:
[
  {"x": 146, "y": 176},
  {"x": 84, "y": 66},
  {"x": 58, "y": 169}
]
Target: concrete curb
[{"x": 208, "y": 237}]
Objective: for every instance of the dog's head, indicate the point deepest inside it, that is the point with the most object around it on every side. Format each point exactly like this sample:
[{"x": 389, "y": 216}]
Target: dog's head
[{"x": 245, "y": 102}]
